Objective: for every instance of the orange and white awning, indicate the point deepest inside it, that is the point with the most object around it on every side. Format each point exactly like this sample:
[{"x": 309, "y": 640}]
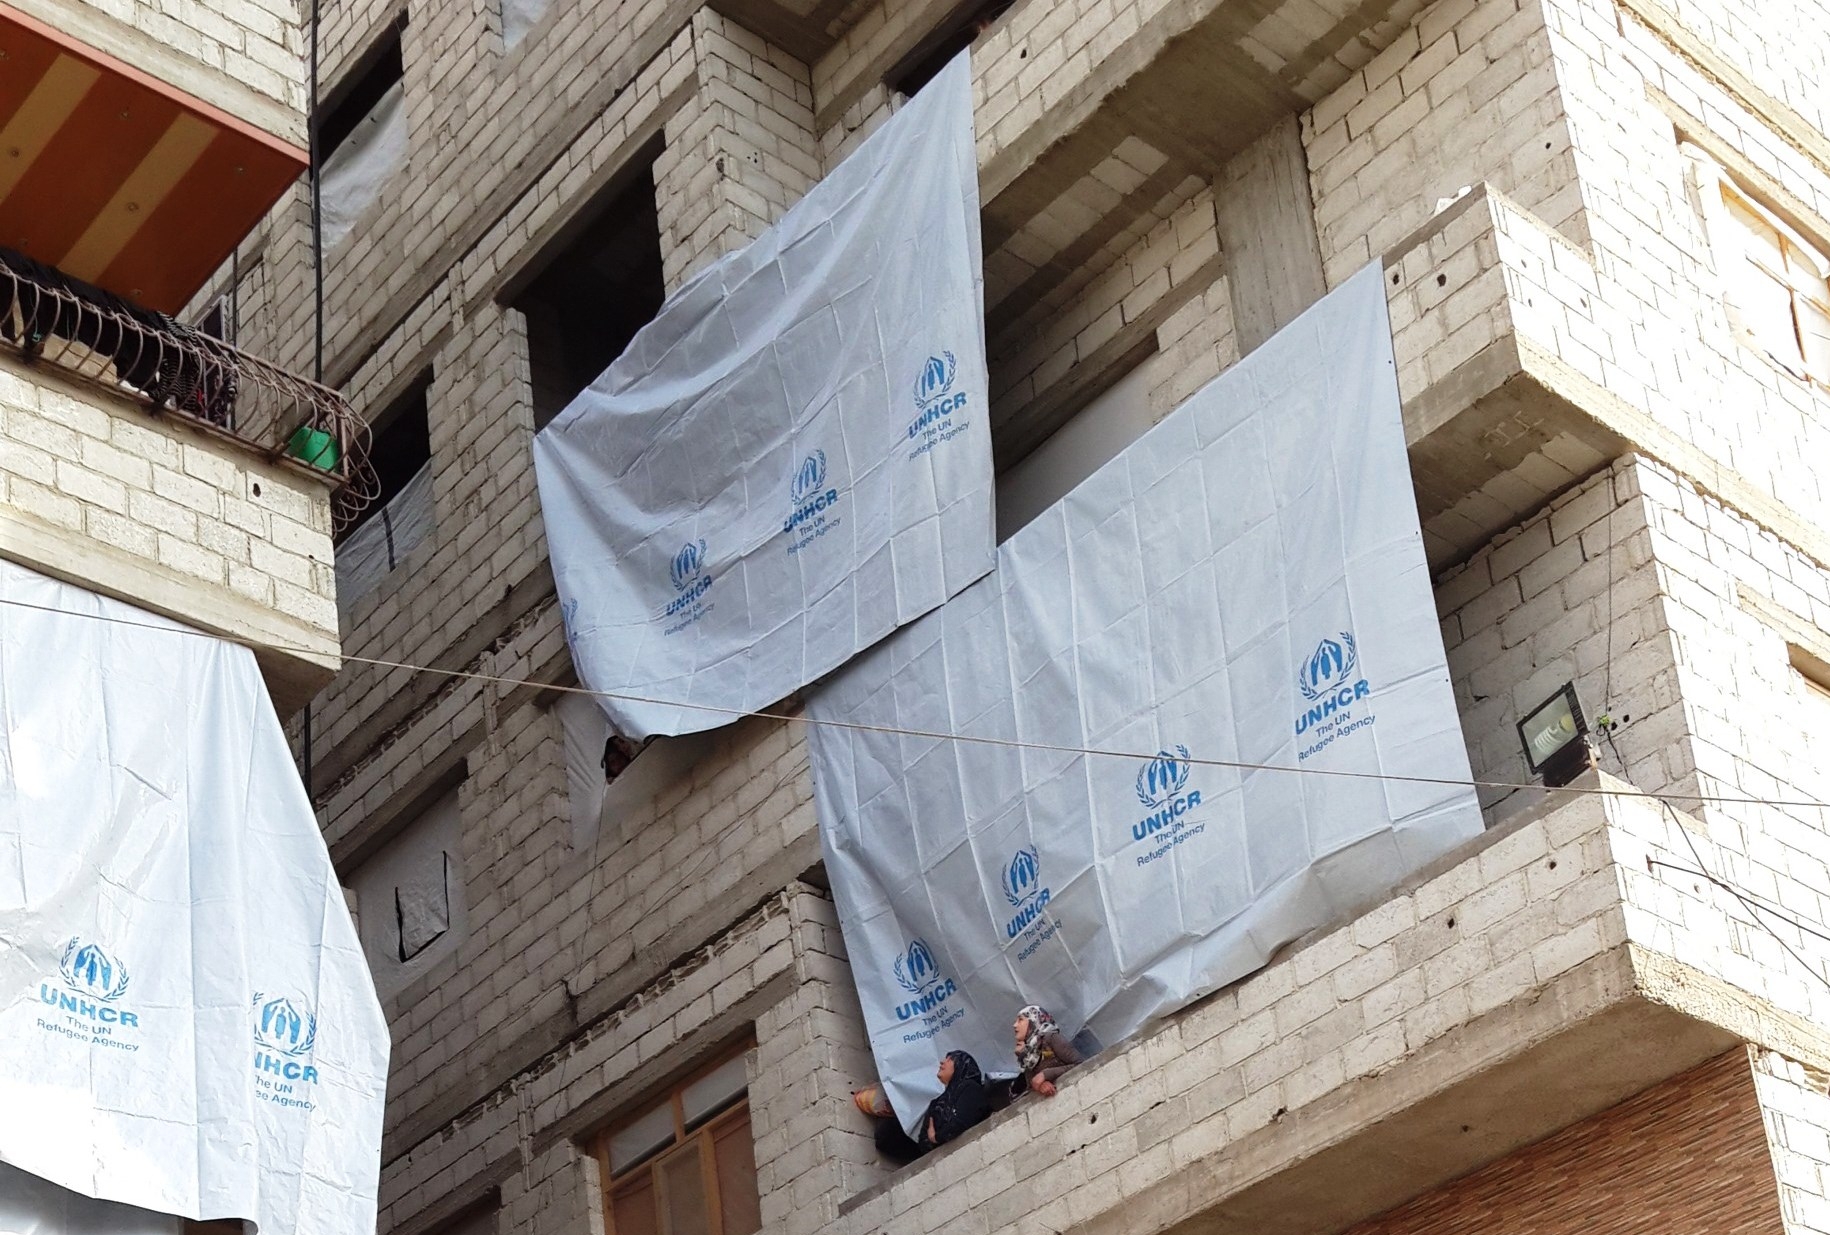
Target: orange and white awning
[{"x": 118, "y": 178}]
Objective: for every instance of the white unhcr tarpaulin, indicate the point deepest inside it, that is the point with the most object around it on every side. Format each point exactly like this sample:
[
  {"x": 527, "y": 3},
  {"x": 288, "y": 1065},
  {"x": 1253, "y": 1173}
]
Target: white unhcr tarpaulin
[
  {"x": 793, "y": 458},
  {"x": 1245, "y": 583},
  {"x": 188, "y": 1020}
]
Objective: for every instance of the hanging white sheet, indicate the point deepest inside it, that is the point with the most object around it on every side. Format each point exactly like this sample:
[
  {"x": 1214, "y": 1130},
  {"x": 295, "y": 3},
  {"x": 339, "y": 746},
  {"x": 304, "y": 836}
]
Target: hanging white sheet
[
  {"x": 1245, "y": 583},
  {"x": 371, "y": 552},
  {"x": 793, "y": 458},
  {"x": 359, "y": 168},
  {"x": 188, "y": 1021}
]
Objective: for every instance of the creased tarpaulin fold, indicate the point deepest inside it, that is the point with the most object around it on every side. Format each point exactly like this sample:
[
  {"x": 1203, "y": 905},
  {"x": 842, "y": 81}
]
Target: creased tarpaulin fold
[
  {"x": 1245, "y": 583},
  {"x": 188, "y": 1020},
  {"x": 794, "y": 457}
]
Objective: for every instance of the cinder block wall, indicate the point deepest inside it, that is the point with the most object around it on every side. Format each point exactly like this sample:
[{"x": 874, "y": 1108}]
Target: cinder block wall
[{"x": 246, "y": 57}]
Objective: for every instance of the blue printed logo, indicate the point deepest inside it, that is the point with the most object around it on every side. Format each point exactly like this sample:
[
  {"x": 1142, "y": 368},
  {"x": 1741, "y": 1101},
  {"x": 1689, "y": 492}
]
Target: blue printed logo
[
  {"x": 687, "y": 564},
  {"x": 1330, "y": 665},
  {"x": 1162, "y": 787},
  {"x": 689, "y": 572},
  {"x": 915, "y": 969},
  {"x": 918, "y": 974},
  {"x": 1022, "y": 880},
  {"x": 283, "y": 1025},
  {"x": 936, "y": 378},
  {"x": 810, "y": 478},
  {"x": 936, "y": 404},
  {"x": 285, "y": 1031},
  {"x": 568, "y": 618},
  {"x": 1022, "y": 876},
  {"x": 87, "y": 968},
  {"x": 810, "y": 514},
  {"x": 94, "y": 978},
  {"x": 1330, "y": 680},
  {"x": 1163, "y": 777}
]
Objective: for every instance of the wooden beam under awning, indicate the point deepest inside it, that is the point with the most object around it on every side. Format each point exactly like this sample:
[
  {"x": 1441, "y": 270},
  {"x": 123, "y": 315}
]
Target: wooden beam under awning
[{"x": 120, "y": 179}]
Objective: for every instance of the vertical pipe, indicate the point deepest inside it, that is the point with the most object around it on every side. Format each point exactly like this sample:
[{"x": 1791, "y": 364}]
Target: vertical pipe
[{"x": 317, "y": 295}]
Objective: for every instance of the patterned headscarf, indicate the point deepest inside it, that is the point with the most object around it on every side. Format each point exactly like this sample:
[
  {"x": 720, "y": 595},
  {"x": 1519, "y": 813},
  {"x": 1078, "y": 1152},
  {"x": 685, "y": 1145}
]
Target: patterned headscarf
[
  {"x": 1041, "y": 1024},
  {"x": 963, "y": 1104}
]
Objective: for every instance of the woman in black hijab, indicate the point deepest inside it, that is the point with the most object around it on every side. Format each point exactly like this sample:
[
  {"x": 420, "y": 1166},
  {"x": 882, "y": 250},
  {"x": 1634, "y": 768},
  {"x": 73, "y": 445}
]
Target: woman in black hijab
[{"x": 964, "y": 1103}]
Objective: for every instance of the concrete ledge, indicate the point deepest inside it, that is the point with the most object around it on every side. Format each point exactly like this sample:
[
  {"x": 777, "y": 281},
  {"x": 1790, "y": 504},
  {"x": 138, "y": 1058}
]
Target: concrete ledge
[{"x": 1488, "y": 1006}]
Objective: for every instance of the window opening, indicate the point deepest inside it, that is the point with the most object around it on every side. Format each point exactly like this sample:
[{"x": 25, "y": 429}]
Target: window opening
[
  {"x": 957, "y": 33},
  {"x": 1777, "y": 283},
  {"x": 362, "y": 137},
  {"x": 401, "y": 445},
  {"x": 598, "y": 286},
  {"x": 687, "y": 1162},
  {"x": 355, "y": 98},
  {"x": 422, "y": 908}
]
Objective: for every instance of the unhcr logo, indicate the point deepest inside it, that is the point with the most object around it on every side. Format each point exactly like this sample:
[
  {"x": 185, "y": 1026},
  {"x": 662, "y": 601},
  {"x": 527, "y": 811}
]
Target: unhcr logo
[
  {"x": 1329, "y": 666},
  {"x": 687, "y": 564},
  {"x": 688, "y": 572},
  {"x": 936, "y": 378},
  {"x": 94, "y": 979},
  {"x": 935, "y": 401},
  {"x": 917, "y": 973},
  {"x": 1160, "y": 785},
  {"x": 1022, "y": 880},
  {"x": 285, "y": 1030},
  {"x": 88, "y": 969},
  {"x": 1330, "y": 680},
  {"x": 810, "y": 500}
]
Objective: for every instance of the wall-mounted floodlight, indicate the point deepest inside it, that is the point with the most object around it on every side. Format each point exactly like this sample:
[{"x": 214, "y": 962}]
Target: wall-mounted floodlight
[{"x": 1555, "y": 737}]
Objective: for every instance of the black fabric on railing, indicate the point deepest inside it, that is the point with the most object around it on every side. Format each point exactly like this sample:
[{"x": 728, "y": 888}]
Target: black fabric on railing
[{"x": 171, "y": 363}]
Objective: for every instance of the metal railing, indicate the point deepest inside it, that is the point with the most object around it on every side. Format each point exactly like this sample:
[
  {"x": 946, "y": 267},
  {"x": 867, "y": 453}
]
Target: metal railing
[{"x": 47, "y": 317}]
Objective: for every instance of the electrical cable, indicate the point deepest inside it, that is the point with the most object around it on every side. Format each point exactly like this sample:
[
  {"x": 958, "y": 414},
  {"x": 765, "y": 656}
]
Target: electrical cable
[
  {"x": 1753, "y": 909},
  {"x": 936, "y": 735}
]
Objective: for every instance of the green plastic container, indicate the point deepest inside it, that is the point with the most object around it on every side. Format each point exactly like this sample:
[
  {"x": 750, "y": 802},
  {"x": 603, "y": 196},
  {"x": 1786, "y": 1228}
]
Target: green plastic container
[{"x": 314, "y": 447}]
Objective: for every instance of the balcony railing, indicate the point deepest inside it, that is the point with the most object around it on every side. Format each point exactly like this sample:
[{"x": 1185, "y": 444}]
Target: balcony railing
[{"x": 49, "y": 318}]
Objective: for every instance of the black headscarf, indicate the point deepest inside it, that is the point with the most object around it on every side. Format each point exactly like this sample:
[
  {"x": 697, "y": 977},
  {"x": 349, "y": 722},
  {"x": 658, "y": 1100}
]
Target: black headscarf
[{"x": 965, "y": 1103}]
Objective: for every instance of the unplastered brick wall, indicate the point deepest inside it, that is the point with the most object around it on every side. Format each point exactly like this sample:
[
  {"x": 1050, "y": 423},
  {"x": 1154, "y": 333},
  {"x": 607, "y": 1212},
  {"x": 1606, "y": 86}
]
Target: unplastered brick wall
[
  {"x": 1572, "y": 595},
  {"x": 217, "y": 527},
  {"x": 1795, "y": 1105},
  {"x": 1685, "y": 1155},
  {"x": 777, "y": 973},
  {"x": 554, "y": 929},
  {"x": 1735, "y": 596},
  {"x": 246, "y": 57},
  {"x": 739, "y": 152},
  {"x": 484, "y": 125},
  {"x": 1628, "y": 97},
  {"x": 1467, "y": 93}
]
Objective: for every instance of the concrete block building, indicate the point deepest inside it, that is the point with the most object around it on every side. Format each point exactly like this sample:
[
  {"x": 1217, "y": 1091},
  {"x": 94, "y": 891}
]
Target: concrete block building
[
  {"x": 1605, "y": 230},
  {"x": 142, "y": 458}
]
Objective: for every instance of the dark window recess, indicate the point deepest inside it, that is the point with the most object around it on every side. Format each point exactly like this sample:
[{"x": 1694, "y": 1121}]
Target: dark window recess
[
  {"x": 355, "y": 96},
  {"x": 219, "y": 322},
  {"x": 400, "y": 444},
  {"x": 600, "y": 283},
  {"x": 957, "y": 33}
]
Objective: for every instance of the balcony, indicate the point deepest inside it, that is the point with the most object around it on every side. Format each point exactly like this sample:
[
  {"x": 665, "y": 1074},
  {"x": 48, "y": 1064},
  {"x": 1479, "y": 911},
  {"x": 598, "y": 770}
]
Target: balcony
[
  {"x": 1523, "y": 370},
  {"x": 161, "y": 466},
  {"x": 136, "y": 152},
  {"x": 1554, "y": 967}
]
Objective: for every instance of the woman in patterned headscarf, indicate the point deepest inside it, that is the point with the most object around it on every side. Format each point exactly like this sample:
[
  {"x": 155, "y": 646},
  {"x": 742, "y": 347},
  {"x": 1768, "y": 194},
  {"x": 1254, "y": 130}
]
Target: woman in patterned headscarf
[{"x": 1043, "y": 1051}]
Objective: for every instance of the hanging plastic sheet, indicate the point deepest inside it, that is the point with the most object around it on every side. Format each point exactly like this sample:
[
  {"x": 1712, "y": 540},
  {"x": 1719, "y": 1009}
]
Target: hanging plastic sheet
[
  {"x": 1245, "y": 584},
  {"x": 189, "y": 1023},
  {"x": 358, "y": 169},
  {"x": 368, "y": 554},
  {"x": 793, "y": 458}
]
